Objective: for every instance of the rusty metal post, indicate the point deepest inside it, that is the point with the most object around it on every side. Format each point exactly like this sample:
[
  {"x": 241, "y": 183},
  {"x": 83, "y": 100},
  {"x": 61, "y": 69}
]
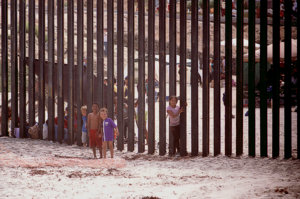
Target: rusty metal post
[
  {"x": 263, "y": 80},
  {"x": 79, "y": 68},
  {"x": 22, "y": 73},
  {"x": 110, "y": 58},
  {"x": 31, "y": 86},
  {"x": 251, "y": 78},
  {"x": 151, "y": 76},
  {"x": 14, "y": 64},
  {"x": 90, "y": 53},
  {"x": 60, "y": 69},
  {"x": 162, "y": 77},
  {"x": 4, "y": 71},
  {"x": 42, "y": 66},
  {"x": 287, "y": 82},
  {"x": 217, "y": 106},
  {"x": 276, "y": 77},
  {"x": 172, "y": 48},
  {"x": 120, "y": 75},
  {"x": 195, "y": 128},
  {"x": 298, "y": 86},
  {"x": 206, "y": 101},
  {"x": 172, "y": 60},
  {"x": 70, "y": 70},
  {"x": 141, "y": 77},
  {"x": 100, "y": 59},
  {"x": 228, "y": 78},
  {"x": 183, "y": 34},
  {"x": 51, "y": 111},
  {"x": 130, "y": 75},
  {"x": 239, "y": 77}
]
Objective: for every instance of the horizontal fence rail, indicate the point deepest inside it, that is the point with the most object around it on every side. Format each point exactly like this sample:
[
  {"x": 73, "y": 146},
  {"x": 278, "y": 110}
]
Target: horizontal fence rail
[{"x": 177, "y": 77}]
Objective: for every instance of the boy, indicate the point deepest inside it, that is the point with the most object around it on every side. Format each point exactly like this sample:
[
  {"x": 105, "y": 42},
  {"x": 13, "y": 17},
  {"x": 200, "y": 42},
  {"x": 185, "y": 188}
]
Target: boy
[
  {"x": 94, "y": 130},
  {"x": 108, "y": 132},
  {"x": 84, "y": 130}
]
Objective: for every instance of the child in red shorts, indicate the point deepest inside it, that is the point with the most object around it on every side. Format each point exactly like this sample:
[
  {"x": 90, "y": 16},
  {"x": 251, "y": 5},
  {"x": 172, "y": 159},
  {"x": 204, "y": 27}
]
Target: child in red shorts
[{"x": 93, "y": 127}]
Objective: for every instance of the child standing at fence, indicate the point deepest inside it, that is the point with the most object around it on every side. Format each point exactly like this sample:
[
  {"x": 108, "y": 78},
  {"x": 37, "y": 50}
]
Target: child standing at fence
[
  {"x": 83, "y": 129},
  {"x": 109, "y": 127},
  {"x": 174, "y": 111},
  {"x": 93, "y": 127}
]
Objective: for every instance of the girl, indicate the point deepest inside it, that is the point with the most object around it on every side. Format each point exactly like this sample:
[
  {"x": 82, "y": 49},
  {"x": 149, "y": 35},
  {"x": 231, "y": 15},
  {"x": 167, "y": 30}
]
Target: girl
[
  {"x": 108, "y": 132},
  {"x": 174, "y": 111}
]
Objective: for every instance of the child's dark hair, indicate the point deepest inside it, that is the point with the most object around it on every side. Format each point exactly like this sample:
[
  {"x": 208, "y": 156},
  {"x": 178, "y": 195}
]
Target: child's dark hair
[
  {"x": 95, "y": 104},
  {"x": 173, "y": 97},
  {"x": 103, "y": 110}
]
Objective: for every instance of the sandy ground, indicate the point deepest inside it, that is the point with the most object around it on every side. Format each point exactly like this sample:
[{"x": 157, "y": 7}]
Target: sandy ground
[{"x": 42, "y": 169}]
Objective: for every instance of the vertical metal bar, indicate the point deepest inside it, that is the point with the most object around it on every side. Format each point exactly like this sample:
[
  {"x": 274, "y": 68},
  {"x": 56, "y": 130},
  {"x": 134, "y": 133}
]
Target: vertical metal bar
[
  {"x": 276, "y": 77},
  {"x": 217, "y": 106},
  {"x": 41, "y": 65},
  {"x": 141, "y": 78},
  {"x": 51, "y": 112},
  {"x": 110, "y": 57},
  {"x": 195, "y": 128},
  {"x": 162, "y": 77},
  {"x": 206, "y": 42},
  {"x": 172, "y": 60},
  {"x": 298, "y": 86},
  {"x": 100, "y": 59},
  {"x": 172, "y": 48},
  {"x": 4, "y": 71},
  {"x": 14, "y": 64},
  {"x": 151, "y": 76},
  {"x": 79, "y": 67},
  {"x": 130, "y": 75},
  {"x": 71, "y": 67},
  {"x": 251, "y": 77},
  {"x": 228, "y": 78},
  {"x": 263, "y": 80},
  {"x": 120, "y": 75},
  {"x": 183, "y": 151},
  {"x": 239, "y": 72},
  {"x": 31, "y": 86},
  {"x": 60, "y": 68},
  {"x": 287, "y": 82},
  {"x": 22, "y": 68},
  {"x": 90, "y": 53}
]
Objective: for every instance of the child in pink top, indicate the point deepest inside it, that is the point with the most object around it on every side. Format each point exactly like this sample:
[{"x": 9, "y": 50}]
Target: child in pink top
[{"x": 174, "y": 111}]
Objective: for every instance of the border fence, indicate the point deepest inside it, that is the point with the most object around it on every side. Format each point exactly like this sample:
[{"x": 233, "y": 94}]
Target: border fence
[{"x": 59, "y": 52}]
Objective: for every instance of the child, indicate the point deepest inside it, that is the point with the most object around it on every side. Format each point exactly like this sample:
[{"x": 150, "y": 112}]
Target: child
[
  {"x": 174, "y": 113},
  {"x": 94, "y": 130},
  {"x": 83, "y": 129},
  {"x": 108, "y": 132}
]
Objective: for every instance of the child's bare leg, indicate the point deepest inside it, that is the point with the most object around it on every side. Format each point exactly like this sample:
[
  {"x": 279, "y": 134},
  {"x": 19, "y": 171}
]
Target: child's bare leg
[
  {"x": 111, "y": 149},
  {"x": 100, "y": 152},
  {"x": 94, "y": 152},
  {"x": 104, "y": 149}
]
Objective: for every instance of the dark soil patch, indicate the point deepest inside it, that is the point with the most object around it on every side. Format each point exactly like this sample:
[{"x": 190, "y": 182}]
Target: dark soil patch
[
  {"x": 38, "y": 172},
  {"x": 150, "y": 197},
  {"x": 282, "y": 190},
  {"x": 107, "y": 172}
]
